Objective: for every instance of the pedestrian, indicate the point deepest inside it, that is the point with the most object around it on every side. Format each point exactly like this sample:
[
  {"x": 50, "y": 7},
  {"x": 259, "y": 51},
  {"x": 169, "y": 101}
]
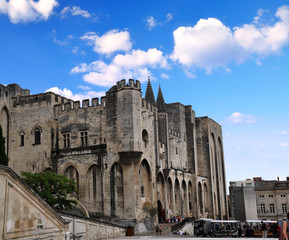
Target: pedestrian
[
  {"x": 284, "y": 234},
  {"x": 264, "y": 229},
  {"x": 157, "y": 229},
  {"x": 160, "y": 229}
]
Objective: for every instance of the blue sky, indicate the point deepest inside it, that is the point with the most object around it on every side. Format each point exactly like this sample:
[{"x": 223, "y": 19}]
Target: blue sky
[{"x": 228, "y": 59}]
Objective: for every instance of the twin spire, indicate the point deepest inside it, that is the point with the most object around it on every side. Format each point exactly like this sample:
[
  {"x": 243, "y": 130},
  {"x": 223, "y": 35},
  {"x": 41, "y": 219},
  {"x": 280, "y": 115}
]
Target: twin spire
[{"x": 149, "y": 97}]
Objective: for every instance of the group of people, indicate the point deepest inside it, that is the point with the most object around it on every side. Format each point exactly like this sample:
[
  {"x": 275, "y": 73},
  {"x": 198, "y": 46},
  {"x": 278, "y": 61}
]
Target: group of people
[
  {"x": 159, "y": 229},
  {"x": 174, "y": 219}
]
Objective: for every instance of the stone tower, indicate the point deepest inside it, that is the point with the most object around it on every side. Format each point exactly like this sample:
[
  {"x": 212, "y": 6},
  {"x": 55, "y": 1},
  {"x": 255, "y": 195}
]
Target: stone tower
[{"x": 136, "y": 159}]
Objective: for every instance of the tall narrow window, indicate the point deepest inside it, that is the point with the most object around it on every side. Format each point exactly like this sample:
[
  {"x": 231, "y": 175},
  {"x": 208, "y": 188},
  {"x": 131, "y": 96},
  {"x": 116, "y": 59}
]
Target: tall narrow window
[
  {"x": 37, "y": 136},
  {"x": 66, "y": 140},
  {"x": 284, "y": 208},
  {"x": 262, "y": 208},
  {"x": 22, "y": 138},
  {"x": 83, "y": 136},
  {"x": 145, "y": 138},
  {"x": 272, "y": 208}
]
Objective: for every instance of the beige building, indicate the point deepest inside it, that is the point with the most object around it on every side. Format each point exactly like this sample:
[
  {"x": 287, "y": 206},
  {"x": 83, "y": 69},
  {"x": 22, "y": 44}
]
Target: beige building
[
  {"x": 272, "y": 199},
  {"x": 131, "y": 157},
  {"x": 259, "y": 199}
]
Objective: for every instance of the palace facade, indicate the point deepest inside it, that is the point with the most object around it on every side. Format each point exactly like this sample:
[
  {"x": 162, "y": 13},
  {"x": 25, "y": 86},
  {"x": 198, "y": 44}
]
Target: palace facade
[{"x": 132, "y": 157}]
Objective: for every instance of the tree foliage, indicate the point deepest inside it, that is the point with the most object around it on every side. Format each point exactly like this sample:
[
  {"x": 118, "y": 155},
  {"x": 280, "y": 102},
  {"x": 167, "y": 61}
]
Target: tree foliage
[
  {"x": 3, "y": 156},
  {"x": 53, "y": 188}
]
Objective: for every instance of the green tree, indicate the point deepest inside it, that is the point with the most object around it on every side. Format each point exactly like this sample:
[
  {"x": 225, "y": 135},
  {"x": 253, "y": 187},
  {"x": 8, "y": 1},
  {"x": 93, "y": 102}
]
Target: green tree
[
  {"x": 3, "y": 156},
  {"x": 53, "y": 188}
]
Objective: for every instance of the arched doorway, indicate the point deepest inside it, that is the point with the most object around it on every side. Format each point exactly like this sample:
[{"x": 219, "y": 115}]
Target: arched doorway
[
  {"x": 161, "y": 197},
  {"x": 161, "y": 213}
]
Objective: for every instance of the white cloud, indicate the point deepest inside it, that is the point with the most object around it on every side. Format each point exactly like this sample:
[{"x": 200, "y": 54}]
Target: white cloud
[
  {"x": 64, "y": 42},
  {"x": 84, "y": 87},
  {"x": 237, "y": 117},
  {"x": 27, "y": 10},
  {"x": 75, "y": 11},
  {"x": 151, "y": 22},
  {"x": 169, "y": 17},
  {"x": 134, "y": 65},
  {"x": 138, "y": 58},
  {"x": 79, "y": 96},
  {"x": 281, "y": 132},
  {"x": 76, "y": 50},
  {"x": 110, "y": 42},
  {"x": 165, "y": 76},
  {"x": 284, "y": 144},
  {"x": 210, "y": 44}
]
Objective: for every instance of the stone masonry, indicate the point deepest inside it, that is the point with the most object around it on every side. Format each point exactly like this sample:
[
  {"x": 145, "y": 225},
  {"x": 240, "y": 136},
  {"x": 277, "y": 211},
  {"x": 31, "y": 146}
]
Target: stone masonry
[{"x": 131, "y": 157}]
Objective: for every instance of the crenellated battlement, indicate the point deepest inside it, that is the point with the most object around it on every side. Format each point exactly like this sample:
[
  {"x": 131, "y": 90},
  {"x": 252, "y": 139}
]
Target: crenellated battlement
[
  {"x": 39, "y": 99},
  {"x": 147, "y": 105},
  {"x": 174, "y": 134},
  {"x": 132, "y": 84},
  {"x": 12, "y": 90},
  {"x": 77, "y": 105}
]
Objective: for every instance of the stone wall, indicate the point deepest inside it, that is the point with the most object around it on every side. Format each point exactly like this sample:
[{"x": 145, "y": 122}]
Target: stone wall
[
  {"x": 87, "y": 229},
  {"x": 129, "y": 159},
  {"x": 24, "y": 215}
]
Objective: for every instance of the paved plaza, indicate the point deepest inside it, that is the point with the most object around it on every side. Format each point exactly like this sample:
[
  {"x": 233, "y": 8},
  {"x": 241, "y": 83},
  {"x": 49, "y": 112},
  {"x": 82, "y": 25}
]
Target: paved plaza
[{"x": 175, "y": 237}]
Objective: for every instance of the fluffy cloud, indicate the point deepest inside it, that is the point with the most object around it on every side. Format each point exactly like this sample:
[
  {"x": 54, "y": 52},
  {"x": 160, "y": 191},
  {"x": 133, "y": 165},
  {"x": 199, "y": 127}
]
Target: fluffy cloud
[
  {"x": 27, "y": 10},
  {"x": 210, "y": 44},
  {"x": 283, "y": 144},
  {"x": 165, "y": 76},
  {"x": 110, "y": 42},
  {"x": 151, "y": 22},
  {"x": 242, "y": 118},
  {"x": 75, "y": 11},
  {"x": 133, "y": 65},
  {"x": 266, "y": 39},
  {"x": 138, "y": 58},
  {"x": 169, "y": 17},
  {"x": 80, "y": 96},
  {"x": 281, "y": 132}
]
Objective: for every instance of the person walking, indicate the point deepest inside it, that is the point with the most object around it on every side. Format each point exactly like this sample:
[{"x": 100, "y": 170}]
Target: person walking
[
  {"x": 160, "y": 229},
  {"x": 264, "y": 229},
  {"x": 157, "y": 229},
  {"x": 285, "y": 229}
]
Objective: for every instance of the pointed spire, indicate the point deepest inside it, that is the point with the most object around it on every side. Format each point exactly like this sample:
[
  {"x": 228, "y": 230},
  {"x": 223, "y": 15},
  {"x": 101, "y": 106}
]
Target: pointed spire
[
  {"x": 150, "y": 97},
  {"x": 161, "y": 105}
]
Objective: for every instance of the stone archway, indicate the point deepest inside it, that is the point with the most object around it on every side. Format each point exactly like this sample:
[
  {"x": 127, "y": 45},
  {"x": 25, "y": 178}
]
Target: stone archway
[
  {"x": 178, "y": 207},
  {"x": 161, "y": 197},
  {"x": 184, "y": 198},
  {"x": 4, "y": 122},
  {"x": 170, "y": 196},
  {"x": 72, "y": 173},
  {"x": 94, "y": 189},
  {"x": 116, "y": 191},
  {"x": 145, "y": 181},
  {"x": 200, "y": 196}
]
